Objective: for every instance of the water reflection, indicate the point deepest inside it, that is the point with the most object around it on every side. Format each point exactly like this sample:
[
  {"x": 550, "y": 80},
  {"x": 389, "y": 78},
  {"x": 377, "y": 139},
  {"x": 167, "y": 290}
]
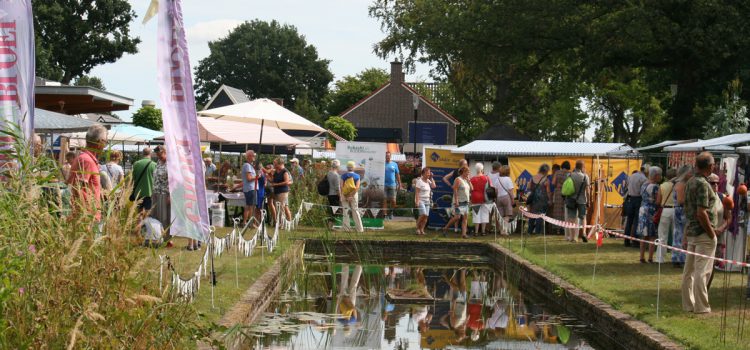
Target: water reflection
[{"x": 351, "y": 306}]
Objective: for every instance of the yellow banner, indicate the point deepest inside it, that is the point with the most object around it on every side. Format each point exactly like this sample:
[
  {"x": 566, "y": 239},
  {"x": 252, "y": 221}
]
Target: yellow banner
[
  {"x": 442, "y": 158},
  {"x": 614, "y": 171}
]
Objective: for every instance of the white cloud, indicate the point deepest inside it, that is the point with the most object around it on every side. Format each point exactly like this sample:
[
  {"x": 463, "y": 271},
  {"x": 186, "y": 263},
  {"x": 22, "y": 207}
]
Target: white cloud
[{"x": 203, "y": 32}]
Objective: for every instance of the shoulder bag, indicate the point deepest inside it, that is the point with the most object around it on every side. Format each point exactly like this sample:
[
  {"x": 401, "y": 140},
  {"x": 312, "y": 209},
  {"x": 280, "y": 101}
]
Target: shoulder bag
[{"x": 138, "y": 181}]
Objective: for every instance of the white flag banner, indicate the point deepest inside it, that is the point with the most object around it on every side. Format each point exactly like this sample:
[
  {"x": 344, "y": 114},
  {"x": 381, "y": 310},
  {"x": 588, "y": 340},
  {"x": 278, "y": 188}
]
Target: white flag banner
[
  {"x": 308, "y": 206},
  {"x": 335, "y": 209},
  {"x": 184, "y": 160},
  {"x": 17, "y": 69},
  {"x": 375, "y": 212}
]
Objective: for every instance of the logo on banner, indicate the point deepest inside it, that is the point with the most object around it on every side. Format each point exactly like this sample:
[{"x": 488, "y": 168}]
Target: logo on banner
[
  {"x": 523, "y": 180},
  {"x": 619, "y": 184}
]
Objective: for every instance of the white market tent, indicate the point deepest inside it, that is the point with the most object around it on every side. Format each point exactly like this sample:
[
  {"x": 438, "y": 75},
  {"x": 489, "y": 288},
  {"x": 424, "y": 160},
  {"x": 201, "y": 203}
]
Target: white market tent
[
  {"x": 715, "y": 144},
  {"x": 663, "y": 144},
  {"x": 541, "y": 148},
  {"x": 262, "y": 111},
  {"x": 227, "y": 131}
]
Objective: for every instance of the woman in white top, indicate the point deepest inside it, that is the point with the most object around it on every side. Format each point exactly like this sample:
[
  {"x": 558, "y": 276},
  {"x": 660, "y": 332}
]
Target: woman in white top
[
  {"x": 461, "y": 193},
  {"x": 422, "y": 197}
]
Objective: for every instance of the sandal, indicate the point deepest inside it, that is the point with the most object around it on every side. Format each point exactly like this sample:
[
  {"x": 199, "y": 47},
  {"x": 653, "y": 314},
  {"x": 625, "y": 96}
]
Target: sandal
[{"x": 643, "y": 261}]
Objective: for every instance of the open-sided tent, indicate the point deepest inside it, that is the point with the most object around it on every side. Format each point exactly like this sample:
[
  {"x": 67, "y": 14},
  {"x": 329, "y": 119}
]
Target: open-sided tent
[
  {"x": 227, "y": 131},
  {"x": 264, "y": 112}
]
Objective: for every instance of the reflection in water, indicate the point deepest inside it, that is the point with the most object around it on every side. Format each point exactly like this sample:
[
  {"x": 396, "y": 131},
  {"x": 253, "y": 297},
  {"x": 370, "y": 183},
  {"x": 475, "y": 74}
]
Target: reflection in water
[{"x": 350, "y": 306}]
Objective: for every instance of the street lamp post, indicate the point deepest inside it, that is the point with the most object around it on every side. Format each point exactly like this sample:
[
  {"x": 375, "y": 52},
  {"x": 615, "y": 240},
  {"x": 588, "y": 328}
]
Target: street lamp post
[{"x": 415, "y": 102}]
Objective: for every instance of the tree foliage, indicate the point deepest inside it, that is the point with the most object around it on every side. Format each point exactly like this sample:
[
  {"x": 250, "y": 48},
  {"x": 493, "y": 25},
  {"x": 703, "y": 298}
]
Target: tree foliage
[
  {"x": 148, "y": 117},
  {"x": 265, "y": 59},
  {"x": 90, "y": 81},
  {"x": 341, "y": 127},
  {"x": 75, "y": 36},
  {"x": 534, "y": 61},
  {"x": 350, "y": 89},
  {"x": 731, "y": 117}
]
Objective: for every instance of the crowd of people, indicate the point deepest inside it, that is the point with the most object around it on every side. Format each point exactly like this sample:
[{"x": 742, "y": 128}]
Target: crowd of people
[{"x": 691, "y": 205}]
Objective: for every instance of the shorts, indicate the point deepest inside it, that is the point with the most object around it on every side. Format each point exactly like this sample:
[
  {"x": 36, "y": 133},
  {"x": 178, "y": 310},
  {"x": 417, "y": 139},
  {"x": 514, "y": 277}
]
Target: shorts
[
  {"x": 578, "y": 212},
  {"x": 251, "y": 198},
  {"x": 504, "y": 206},
  {"x": 145, "y": 203},
  {"x": 390, "y": 192},
  {"x": 282, "y": 198},
  {"x": 461, "y": 209},
  {"x": 424, "y": 208},
  {"x": 480, "y": 214}
]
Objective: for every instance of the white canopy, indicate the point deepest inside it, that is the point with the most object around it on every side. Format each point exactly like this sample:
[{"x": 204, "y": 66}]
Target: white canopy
[
  {"x": 124, "y": 133},
  {"x": 540, "y": 148},
  {"x": 697, "y": 146},
  {"x": 262, "y": 111},
  {"x": 227, "y": 131}
]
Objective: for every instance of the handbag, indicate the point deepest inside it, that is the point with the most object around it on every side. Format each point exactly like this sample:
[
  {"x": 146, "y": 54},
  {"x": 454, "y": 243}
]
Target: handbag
[
  {"x": 572, "y": 203},
  {"x": 138, "y": 181},
  {"x": 660, "y": 208},
  {"x": 490, "y": 193}
]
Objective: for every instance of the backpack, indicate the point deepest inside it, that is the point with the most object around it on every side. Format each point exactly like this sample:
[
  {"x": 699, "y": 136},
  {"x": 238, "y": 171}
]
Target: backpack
[
  {"x": 568, "y": 187},
  {"x": 349, "y": 187},
  {"x": 534, "y": 193},
  {"x": 323, "y": 186}
]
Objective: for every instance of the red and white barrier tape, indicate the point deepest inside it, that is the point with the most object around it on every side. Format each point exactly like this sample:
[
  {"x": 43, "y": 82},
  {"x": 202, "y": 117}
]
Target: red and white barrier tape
[{"x": 602, "y": 230}]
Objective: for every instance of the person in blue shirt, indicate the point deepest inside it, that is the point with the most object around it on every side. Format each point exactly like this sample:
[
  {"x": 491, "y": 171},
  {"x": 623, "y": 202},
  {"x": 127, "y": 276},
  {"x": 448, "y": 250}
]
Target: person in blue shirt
[
  {"x": 350, "y": 197},
  {"x": 392, "y": 184},
  {"x": 249, "y": 186}
]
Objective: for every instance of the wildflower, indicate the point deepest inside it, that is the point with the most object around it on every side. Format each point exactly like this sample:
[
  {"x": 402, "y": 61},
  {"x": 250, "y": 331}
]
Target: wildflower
[
  {"x": 32, "y": 249},
  {"x": 21, "y": 290}
]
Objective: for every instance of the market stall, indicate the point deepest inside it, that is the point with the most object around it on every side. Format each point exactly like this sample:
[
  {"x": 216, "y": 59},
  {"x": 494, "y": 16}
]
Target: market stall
[{"x": 607, "y": 164}]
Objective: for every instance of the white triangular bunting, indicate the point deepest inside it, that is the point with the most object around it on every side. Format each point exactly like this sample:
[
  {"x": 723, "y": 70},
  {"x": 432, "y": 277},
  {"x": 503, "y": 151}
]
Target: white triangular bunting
[
  {"x": 308, "y": 206},
  {"x": 375, "y": 212},
  {"x": 335, "y": 208}
]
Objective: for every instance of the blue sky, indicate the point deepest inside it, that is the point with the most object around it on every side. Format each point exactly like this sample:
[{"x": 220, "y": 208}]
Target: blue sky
[{"x": 341, "y": 30}]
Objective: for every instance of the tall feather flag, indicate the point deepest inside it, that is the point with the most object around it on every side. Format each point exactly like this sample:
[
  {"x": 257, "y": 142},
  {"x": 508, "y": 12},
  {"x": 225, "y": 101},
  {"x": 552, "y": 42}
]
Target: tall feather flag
[
  {"x": 17, "y": 69},
  {"x": 184, "y": 161}
]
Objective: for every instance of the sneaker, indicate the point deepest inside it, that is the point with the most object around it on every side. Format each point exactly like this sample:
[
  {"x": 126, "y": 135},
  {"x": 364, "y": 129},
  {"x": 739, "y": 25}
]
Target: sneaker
[{"x": 170, "y": 244}]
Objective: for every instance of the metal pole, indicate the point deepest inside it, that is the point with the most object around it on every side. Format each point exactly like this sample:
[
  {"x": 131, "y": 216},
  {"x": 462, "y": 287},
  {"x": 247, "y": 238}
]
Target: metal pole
[{"x": 415, "y": 134}]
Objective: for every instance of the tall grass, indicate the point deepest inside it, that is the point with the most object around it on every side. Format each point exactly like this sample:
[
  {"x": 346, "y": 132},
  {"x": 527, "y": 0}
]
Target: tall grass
[{"x": 62, "y": 287}]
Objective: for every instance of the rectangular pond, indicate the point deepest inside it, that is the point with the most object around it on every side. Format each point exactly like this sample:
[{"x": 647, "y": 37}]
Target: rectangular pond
[{"x": 423, "y": 302}]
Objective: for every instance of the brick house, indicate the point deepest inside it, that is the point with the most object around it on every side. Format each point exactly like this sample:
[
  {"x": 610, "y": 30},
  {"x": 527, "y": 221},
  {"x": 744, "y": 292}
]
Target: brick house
[{"x": 387, "y": 115}]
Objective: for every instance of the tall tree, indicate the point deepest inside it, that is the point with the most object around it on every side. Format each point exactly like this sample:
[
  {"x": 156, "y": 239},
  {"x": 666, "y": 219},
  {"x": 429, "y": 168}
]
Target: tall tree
[
  {"x": 90, "y": 81},
  {"x": 352, "y": 88},
  {"x": 148, "y": 117},
  {"x": 497, "y": 53},
  {"x": 77, "y": 36},
  {"x": 265, "y": 59}
]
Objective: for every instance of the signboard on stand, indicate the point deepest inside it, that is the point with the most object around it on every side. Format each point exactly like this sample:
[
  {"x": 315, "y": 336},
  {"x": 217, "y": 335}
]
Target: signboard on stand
[
  {"x": 441, "y": 161},
  {"x": 369, "y": 160}
]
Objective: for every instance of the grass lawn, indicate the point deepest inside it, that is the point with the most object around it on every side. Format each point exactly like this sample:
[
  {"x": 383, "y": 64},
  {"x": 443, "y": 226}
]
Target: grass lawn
[
  {"x": 230, "y": 285},
  {"x": 621, "y": 280}
]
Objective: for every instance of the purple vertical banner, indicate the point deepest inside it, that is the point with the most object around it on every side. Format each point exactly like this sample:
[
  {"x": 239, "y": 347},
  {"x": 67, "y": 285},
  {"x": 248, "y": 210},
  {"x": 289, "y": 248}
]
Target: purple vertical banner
[
  {"x": 17, "y": 68},
  {"x": 184, "y": 161}
]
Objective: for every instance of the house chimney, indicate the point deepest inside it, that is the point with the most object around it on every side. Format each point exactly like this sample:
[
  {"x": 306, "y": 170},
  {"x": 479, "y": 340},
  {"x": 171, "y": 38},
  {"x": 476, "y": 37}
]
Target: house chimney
[
  {"x": 148, "y": 103},
  {"x": 397, "y": 72}
]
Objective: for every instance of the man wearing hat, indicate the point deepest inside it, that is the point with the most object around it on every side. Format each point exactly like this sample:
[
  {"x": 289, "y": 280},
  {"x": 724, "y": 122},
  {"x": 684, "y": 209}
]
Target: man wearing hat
[{"x": 349, "y": 196}]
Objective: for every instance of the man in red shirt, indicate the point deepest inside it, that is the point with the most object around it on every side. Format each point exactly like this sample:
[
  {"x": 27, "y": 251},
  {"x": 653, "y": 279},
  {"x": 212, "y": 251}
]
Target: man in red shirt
[{"x": 84, "y": 179}]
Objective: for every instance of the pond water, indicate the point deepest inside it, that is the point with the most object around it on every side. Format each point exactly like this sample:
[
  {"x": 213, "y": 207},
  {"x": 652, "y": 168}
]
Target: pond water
[{"x": 419, "y": 305}]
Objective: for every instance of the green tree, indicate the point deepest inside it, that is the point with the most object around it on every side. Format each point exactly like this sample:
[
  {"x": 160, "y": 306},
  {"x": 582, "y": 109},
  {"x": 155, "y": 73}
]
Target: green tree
[
  {"x": 264, "y": 59},
  {"x": 90, "y": 81},
  {"x": 148, "y": 117},
  {"x": 731, "y": 117},
  {"x": 352, "y": 88},
  {"x": 341, "y": 127},
  {"x": 77, "y": 36},
  {"x": 497, "y": 54}
]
